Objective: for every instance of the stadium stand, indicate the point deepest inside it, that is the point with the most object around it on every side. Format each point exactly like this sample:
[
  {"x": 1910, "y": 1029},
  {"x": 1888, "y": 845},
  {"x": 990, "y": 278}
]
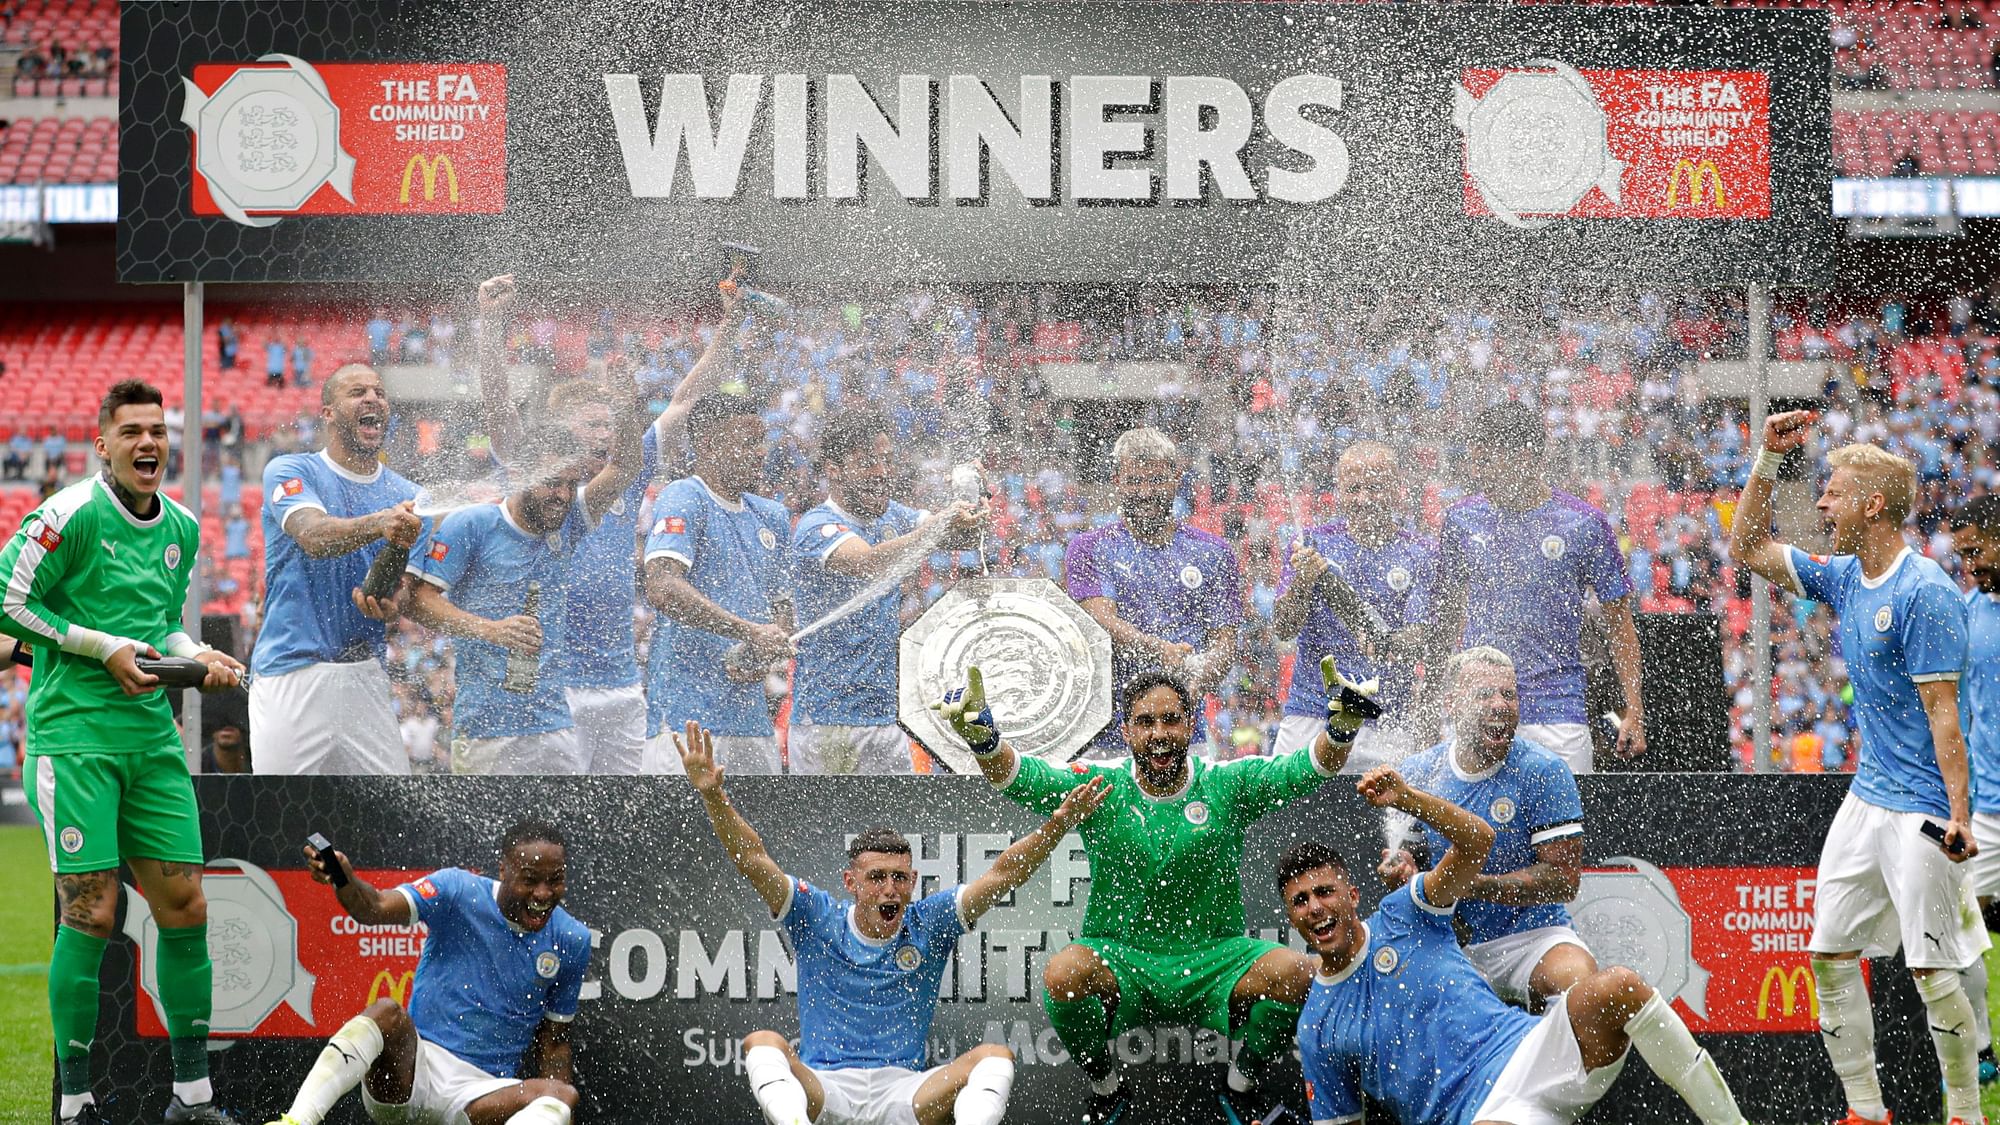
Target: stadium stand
[{"x": 69, "y": 150}]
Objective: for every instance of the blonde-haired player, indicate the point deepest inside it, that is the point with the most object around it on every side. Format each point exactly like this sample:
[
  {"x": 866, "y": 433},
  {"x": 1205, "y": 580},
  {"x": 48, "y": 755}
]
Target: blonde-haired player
[{"x": 1882, "y": 882}]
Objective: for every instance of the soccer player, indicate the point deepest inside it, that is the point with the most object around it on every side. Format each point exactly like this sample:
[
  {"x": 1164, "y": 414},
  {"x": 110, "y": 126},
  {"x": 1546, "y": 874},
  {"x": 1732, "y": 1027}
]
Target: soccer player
[
  {"x": 482, "y": 570},
  {"x": 1975, "y": 535},
  {"x": 320, "y": 702},
  {"x": 599, "y": 665},
  {"x": 1882, "y": 883},
  {"x": 1390, "y": 568},
  {"x": 1160, "y": 949},
  {"x": 500, "y": 974},
  {"x": 715, "y": 569},
  {"x": 1516, "y": 927},
  {"x": 96, "y": 578},
  {"x": 1170, "y": 594},
  {"x": 1398, "y": 1014},
  {"x": 869, "y": 970},
  {"x": 1513, "y": 565},
  {"x": 844, "y": 687}
]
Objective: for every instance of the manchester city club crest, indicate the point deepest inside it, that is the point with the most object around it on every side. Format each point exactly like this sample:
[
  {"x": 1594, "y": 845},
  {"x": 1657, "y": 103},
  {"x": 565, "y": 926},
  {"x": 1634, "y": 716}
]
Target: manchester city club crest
[
  {"x": 1536, "y": 144},
  {"x": 1197, "y": 813},
  {"x": 908, "y": 958},
  {"x": 1884, "y": 618},
  {"x": 1385, "y": 960},
  {"x": 1553, "y": 547},
  {"x": 173, "y": 556},
  {"x": 1398, "y": 579},
  {"x": 267, "y": 139},
  {"x": 547, "y": 964},
  {"x": 768, "y": 538},
  {"x": 1502, "y": 810},
  {"x": 1191, "y": 577},
  {"x": 71, "y": 839}
]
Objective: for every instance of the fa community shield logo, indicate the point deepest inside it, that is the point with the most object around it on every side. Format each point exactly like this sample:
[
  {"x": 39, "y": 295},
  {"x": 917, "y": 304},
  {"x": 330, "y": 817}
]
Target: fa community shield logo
[{"x": 1536, "y": 143}]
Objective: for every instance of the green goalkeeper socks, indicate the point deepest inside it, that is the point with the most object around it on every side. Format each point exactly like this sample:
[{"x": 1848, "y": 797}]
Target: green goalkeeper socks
[
  {"x": 73, "y": 1004},
  {"x": 1083, "y": 1027},
  {"x": 186, "y": 979}
]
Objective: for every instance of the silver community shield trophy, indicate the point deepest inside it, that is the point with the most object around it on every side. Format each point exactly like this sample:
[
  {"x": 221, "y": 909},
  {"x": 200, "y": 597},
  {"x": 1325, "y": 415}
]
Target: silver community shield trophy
[{"x": 1047, "y": 666}]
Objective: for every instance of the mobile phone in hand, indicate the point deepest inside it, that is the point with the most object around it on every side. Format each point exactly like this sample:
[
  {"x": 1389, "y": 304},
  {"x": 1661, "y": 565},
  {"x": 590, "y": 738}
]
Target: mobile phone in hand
[
  {"x": 322, "y": 849},
  {"x": 1936, "y": 832}
]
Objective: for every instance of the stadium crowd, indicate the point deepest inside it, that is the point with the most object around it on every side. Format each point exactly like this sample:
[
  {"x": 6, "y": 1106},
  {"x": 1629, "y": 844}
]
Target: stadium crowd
[{"x": 1614, "y": 375}]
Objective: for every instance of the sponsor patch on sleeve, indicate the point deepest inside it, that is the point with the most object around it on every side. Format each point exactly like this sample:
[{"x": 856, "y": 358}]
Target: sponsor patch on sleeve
[
  {"x": 672, "y": 525},
  {"x": 426, "y": 888},
  {"x": 42, "y": 533},
  {"x": 439, "y": 550},
  {"x": 292, "y": 487}
]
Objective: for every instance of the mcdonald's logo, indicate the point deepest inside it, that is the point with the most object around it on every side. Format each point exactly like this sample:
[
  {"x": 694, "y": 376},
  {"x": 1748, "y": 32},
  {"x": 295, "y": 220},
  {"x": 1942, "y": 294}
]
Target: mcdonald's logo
[
  {"x": 431, "y": 166},
  {"x": 1696, "y": 173},
  {"x": 1790, "y": 982},
  {"x": 397, "y": 987}
]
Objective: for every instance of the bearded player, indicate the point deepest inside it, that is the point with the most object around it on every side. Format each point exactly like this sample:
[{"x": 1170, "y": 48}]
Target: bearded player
[
  {"x": 1398, "y": 1014},
  {"x": 96, "y": 579},
  {"x": 1168, "y": 951},
  {"x": 1883, "y": 882},
  {"x": 499, "y": 980},
  {"x": 869, "y": 971}
]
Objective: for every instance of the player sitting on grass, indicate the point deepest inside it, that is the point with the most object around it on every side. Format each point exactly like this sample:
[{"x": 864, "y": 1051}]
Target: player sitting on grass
[
  {"x": 869, "y": 971},
  {"x": 501, "y": 972},
  {"x": 1517, "y": 929},
  {"x": 1397, "y": 1013},
  {"x": 1166, "y": 950}
]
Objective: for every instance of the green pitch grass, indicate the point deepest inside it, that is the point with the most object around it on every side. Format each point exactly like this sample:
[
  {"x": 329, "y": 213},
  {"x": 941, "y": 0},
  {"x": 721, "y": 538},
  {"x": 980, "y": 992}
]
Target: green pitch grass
[
  {"x": 25, "y": 934},
  {"x": 25, "y": 1068}
]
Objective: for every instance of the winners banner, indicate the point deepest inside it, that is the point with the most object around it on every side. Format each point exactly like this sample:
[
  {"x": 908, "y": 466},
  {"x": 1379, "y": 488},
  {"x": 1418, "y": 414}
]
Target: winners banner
[
  {"x": 1704, "y": 886},
  {"x": 893, "y": 143}
]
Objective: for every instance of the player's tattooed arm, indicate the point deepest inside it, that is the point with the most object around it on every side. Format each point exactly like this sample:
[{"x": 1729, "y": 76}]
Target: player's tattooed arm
[
  {"x": 364, "y": 902},
  {"x": 322, "y": 536},
  {"x": 1470, "y": 837},
  {"x": 1553, "y": 877},
  {"x": 1014, "y": 865},
  {"x": 746, "y": 849},
  {"x": 1940, "y": 699},
  {"x": 555, "y": 1055}
]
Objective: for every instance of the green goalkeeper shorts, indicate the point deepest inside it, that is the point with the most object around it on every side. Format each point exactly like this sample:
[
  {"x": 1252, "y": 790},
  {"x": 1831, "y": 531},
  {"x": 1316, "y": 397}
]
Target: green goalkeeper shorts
[
  {"x": 96, "y": 809},
  {"x": 1190, "y": 988}
]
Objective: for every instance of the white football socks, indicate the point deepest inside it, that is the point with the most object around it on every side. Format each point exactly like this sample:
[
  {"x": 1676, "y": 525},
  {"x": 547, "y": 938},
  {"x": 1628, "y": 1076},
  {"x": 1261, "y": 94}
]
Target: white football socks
[
  {"x": 778, "y": 1093},
  {"x": 1664, "y": 1042},
  {"x": 195, "y": 1091},
  {"x": 1952, "y": 1032},
  {"x": 542, "y": 1111},
  {"x": 341, "y": 1066},
  {"x": 1847, "y": 1028},
  {"x": 984, "y": 1099},
  {"x": 1973, "y": 980}
]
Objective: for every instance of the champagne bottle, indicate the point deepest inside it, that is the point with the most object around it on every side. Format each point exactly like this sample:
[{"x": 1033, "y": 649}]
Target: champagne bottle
[
  {"x": 524, "y": 669},
  {"x": 386, "y": 571}
]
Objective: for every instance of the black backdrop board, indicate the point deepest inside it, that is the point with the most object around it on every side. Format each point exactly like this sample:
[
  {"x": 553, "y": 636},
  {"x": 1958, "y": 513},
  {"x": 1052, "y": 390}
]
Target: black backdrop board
[
  {"x": 1687, "y": 703},
  {"x": 1405, "y": 211},
  {"x": 676, "y": 924}
]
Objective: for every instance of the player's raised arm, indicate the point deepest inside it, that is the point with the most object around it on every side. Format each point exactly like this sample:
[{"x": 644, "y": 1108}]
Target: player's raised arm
[
  {"x": 745, "y": 847},
  {"x": 1349, "y": 706},
  {"x": 365, "y": 903},
  {"x": 966, "y": 711},
  {"x": 1750, "y": 541},
  {"x": 496, "y": 296},
  {"x": 628, "y": 422},
  {"x": 1018, "y": 862},
  {"x": 708, "y": 371},
  {"x": 1470, "y": 837}
]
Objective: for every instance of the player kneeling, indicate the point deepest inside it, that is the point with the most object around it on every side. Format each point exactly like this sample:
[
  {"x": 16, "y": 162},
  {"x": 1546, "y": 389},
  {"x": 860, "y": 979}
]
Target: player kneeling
[
  {"x": 1399, "y": 1014},
  {"x": 501, "y": 972},
  {"x": 869, "y": 971}
]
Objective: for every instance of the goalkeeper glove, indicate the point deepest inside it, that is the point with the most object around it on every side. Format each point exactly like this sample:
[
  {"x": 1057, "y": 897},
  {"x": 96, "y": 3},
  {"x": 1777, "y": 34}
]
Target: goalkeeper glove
[
  {"x": 966, "y": 710},
  {"x": 1348, "y": 704}
]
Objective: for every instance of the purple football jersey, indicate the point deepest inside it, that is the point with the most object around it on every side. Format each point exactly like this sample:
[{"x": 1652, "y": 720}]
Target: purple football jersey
[
  {"x": 1181, "y": 592},
  {"x": 1524, "y": 576},
  {"x": 1393, "y": 579}
]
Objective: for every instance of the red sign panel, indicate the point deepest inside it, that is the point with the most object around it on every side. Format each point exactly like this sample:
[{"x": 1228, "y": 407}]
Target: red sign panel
[
  {"x": 297, "y": 138},
  {"x": 350, "y": 965},
  {"x": 1601, "y": 144}
]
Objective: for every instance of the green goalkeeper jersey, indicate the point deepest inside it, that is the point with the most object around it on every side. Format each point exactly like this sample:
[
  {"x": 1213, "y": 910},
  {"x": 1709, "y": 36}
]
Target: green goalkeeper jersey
[
  {"x": 1165, "y": 871},
  {"x": 82, "y": 558}
]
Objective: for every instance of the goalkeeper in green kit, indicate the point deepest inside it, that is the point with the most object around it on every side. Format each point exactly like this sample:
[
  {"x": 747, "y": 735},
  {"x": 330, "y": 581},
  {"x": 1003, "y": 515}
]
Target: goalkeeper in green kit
[
  {"x": 1164, "y": 932},
  {"x": 94, "y": 581}
]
